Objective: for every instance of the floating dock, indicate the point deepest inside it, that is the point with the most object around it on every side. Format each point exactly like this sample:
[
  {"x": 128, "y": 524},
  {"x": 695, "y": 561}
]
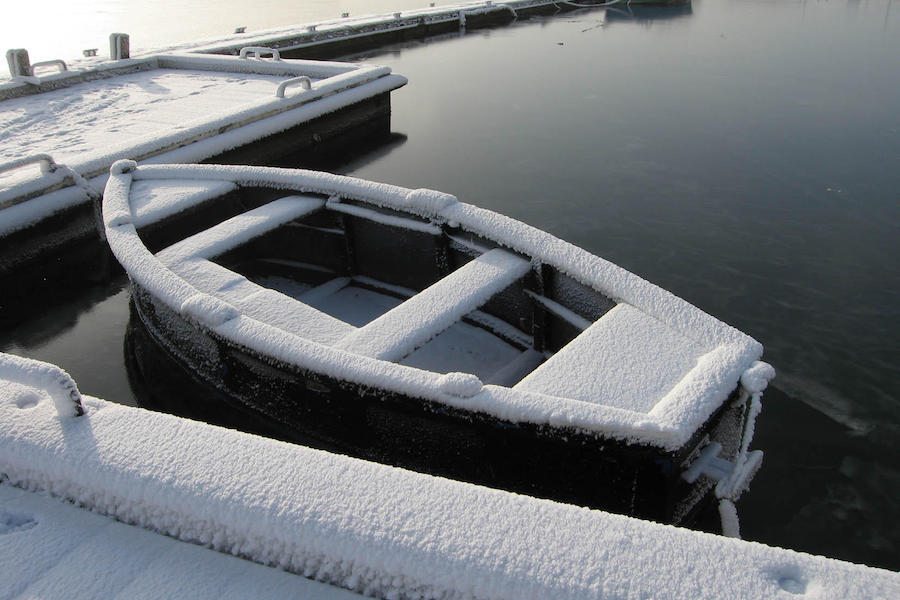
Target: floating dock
[
  {"x": 347, "y": 34},
  {"x": 352, "y": 33},
  {"x": 64, "y": 130},
  {"x": 369, "y": 528}
]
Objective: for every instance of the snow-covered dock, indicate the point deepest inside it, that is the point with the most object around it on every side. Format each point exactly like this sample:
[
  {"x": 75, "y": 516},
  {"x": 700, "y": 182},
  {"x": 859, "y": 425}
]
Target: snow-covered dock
[
  {"x": 158, "y": 108},
  {"x": 352, "y": 32},
  {"x": 52, "y": 549},
  {"x": 373, "y": 529},
  {"x": 62, "y": 131}
]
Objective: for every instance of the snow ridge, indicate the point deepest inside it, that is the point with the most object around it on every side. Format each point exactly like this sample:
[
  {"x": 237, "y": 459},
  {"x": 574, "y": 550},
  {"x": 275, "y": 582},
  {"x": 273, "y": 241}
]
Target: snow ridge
[{"x": 379, "y": 530}]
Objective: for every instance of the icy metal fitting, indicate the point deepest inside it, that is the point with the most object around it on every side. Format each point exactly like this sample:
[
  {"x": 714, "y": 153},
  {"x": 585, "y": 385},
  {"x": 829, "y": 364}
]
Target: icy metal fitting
[
  {"x": 119, "y": 46},
  {"x": 19, "y": 63},
  {"x": 56, "y": 62},
  {"x": 48, "y": 165},
  {"x": 51, "y": 379},
  {"x": 259, "y": 51},
  {"x": 303, "y": 81}
]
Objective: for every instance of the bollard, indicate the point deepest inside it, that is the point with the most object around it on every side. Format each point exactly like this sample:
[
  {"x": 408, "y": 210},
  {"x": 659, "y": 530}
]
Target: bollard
[
  {"x": 19, "y": 63},
  {"x": 119, "y": 46}
]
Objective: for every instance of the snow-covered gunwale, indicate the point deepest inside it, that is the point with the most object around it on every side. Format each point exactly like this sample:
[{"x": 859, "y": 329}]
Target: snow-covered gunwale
[
  {"x": 63, "y": 131},
  {"x": 406, "y": 326}
]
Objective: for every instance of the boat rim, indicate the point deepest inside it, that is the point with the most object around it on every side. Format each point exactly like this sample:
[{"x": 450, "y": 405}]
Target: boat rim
[{"x": 669, "y": 424}]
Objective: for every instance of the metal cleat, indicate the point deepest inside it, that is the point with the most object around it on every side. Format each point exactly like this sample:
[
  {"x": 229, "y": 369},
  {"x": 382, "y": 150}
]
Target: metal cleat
[{"x": 732, "y": 477}]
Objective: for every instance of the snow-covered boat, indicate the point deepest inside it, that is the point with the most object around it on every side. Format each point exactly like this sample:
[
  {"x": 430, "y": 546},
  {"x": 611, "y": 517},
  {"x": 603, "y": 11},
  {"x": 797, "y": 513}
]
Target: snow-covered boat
[{"x": 408, "y": 327}]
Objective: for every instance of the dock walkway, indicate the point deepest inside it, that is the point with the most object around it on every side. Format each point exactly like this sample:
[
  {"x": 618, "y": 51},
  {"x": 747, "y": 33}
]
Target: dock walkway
[
  {"x": 50, "y": 548},
  {"x": 377, "y": 530}
]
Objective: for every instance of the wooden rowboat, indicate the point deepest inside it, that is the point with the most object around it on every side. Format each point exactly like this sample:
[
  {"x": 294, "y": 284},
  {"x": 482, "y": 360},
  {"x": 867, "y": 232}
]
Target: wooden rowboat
[{"x": 407, "y": 327}]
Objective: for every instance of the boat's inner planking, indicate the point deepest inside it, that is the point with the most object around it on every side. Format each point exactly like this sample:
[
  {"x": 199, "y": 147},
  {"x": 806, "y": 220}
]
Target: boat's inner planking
[{"x": 363, "y": 269}]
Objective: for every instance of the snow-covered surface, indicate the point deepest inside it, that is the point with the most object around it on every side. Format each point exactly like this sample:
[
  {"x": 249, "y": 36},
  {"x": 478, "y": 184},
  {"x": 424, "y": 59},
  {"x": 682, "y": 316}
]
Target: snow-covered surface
[
  {"x": 71, "y": 122},
  {"x": 375, "y": 529},
  {"x": 59, "y": 385},
  {"x": 52, "y": 549},
  {"x": 238, "y": 229},
  {"x": 640, "y": 358},
  {"x": 183, "y": 108},
  {"x": 463, "y": 348},
  {"x": 397, "y": 333},
  {"x": 356, "y": 26},
  {"x": 152, "y": 203},
  {"x": 722, "y": 353},
  {"x": 389, "y": 220}
]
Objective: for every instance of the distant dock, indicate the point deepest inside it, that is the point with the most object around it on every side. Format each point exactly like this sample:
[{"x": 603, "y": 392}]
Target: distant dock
[{"x": 351, "y": 33}]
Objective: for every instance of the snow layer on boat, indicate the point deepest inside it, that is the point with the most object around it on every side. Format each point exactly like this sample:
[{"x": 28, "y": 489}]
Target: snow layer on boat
[
  {"x": 351, "y": 304},
  {"x": 463, "y": 348},
  {"x": 640, "y": 360},
  {"x": 397, "y": 333},
  {"x": 371, "y": 528},
  {"x": 52, "y": 549},
  {"x": 241, "y": 228},
  {"x": 152, "y": 203},
  {"x": 670, "y": 423}
]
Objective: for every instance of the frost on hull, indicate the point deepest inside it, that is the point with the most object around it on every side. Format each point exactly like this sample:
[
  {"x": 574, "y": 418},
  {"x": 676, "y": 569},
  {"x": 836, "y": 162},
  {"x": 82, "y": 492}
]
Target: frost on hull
[{"x": 411, "y": 328}]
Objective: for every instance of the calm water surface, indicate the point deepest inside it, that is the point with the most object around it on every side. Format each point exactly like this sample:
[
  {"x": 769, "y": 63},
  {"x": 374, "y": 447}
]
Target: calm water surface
[{"x": 742, "y": 154}]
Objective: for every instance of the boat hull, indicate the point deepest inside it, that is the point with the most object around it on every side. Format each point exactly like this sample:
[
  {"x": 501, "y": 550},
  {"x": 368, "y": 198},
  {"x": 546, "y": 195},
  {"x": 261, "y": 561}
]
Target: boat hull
[{"x": 282, "y": 400}]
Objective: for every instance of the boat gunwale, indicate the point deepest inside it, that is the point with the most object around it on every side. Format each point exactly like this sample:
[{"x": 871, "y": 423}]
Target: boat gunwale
[{"x": 669, "y": 425}]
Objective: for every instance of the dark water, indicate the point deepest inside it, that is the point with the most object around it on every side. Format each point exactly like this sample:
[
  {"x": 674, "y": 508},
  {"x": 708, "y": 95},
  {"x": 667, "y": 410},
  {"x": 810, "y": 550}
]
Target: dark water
[{"x": 742, "y": 154}]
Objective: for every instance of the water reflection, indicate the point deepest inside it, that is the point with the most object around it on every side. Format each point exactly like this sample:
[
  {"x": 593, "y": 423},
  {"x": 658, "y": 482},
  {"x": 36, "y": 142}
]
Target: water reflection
[{"x": 648, "y": 14}]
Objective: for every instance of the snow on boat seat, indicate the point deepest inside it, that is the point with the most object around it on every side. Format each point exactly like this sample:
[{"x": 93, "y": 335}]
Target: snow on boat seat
[
  {"x": 398, "y": 332},
  {"x": 190, "y": 260},
  {"x": 626, "y": 359},
  {"x": 152, "y": 201},
  {"x": 240, "y": 229}
]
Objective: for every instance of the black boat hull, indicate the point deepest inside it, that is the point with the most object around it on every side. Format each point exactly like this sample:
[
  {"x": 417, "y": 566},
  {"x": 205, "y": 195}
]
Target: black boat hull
[{"x": 240, "y": 388}]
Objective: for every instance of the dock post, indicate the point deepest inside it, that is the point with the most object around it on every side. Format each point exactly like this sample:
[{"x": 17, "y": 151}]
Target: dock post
[
  {"x": 119, "y": 46},
  {"x": 19, "y": 63}
]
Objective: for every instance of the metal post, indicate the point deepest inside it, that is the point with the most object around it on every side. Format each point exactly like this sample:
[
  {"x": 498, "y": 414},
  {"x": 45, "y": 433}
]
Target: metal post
[
  {"x": 119, "y": 46},
  {"x": 19, "y": 63}
]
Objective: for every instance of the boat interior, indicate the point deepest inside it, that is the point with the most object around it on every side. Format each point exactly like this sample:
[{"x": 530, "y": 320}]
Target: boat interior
[{"x": 387, "y": 284}]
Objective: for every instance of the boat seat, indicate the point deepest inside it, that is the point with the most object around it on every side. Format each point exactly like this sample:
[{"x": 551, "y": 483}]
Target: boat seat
[
  {"x": 626, "y": 359},
  {"x": 261, "y": 303},
  {"x": 240, "y": 229},
  {"x": 401, "y": 330},
  {"x": 154, "y": 200},
  {"x": 190, "y": 260}
]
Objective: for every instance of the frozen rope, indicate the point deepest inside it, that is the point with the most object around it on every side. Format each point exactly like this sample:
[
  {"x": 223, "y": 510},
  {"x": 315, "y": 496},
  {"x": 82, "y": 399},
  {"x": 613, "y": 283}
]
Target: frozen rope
[
  {"x": 731, "y": 525},
  {"x": 95, "y": 197}
]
